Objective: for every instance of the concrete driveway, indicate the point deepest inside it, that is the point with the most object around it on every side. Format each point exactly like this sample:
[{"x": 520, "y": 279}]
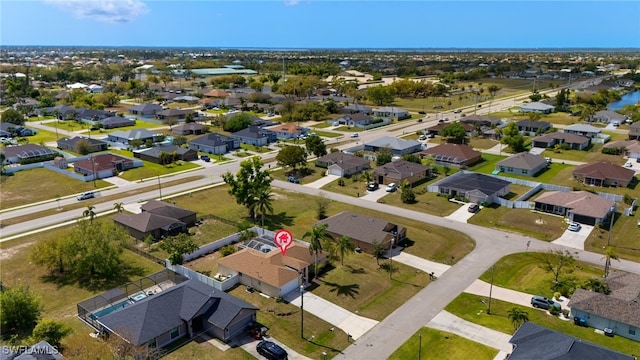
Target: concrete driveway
[
  {"x": 446, "y": 321},
  {"x": 375, "y": 195},
  {"x": 352, "y": 324},
  {"x": 322, "y": 181},
  {"x": 419, "y": 263},
  {"x": 482, "y": 288},
  {"x": 117, "y": 181},
  {"x": 462, "y": 214},
  {"x": 574, "y": 239}
]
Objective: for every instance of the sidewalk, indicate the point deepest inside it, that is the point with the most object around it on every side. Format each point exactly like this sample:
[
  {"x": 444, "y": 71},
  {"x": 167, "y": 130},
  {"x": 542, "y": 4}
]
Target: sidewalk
[
  {"x": 420, "y": 263},
  {"x": 446, "y": 321},
  {"x": 350, "y": 323},
  {"x": 481, "y": 288}
]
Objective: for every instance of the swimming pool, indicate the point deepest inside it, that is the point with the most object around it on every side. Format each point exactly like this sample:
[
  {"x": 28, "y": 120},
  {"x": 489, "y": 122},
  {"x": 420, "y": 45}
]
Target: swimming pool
[
  {"x": 108, "y": 310},
  {"x": 138, "y": 296}
]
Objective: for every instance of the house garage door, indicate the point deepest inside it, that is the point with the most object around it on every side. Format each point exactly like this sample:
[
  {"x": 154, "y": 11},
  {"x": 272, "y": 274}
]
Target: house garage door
[
  {"x": 335, "y": 171},
  {"x": 587, "y": 220}
]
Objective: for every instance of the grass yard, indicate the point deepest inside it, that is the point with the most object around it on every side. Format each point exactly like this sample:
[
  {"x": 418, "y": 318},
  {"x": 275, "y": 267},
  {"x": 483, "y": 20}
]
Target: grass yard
[
  {"x": 354, "y": 186},
  {"x": 488, "y": 163},
  {"x": 202, "y": 350},
  {"x": 327, "y": 134},
  {"x": 473, "y": 308},
  {"x": 348, "y": 129},
  {"x": 39, "y": 184},
  {"x": 523, "y": 272},
  {"x": 314, "y": 174},
  {"x": 321, "y": 125},
  {"x": 43, "y": 137},
  {"x": 364, "y": 288},
  {"x": 426, "y": 202},
  {"x": 140, "y": 124},
  {"x": 442, "y": 345},
  {"x": 256, "y": 149},
  {"x": 624, "y": 238},
  {"x": 483, "y": 144},
  {"x": 538, "y": 225},
  {"x": 152, "y": 169},
  {"x": 283, "y": 321}
]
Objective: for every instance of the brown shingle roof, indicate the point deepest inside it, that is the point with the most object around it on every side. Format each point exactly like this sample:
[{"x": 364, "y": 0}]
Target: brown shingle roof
[
  {"x": 634, "y": 129},
  {"x": 361, "y": 227},
  {"x": 459, "y": 151},
  {"x": 345, "y": 160},
  {"x": 622, "y": 304},
  {"x": 580, "y": 202},
  {"x": 402, "y": 167},
  {"x": 567, "y": 137},
  {"x": 100, "y": 162},
  {"x": 145, "y": 221},
  {"x": 604, "y": 170}
]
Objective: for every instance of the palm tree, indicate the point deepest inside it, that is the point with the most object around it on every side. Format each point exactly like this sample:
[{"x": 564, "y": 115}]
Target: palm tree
[
  {"x": 517, "y": 317},
  {"x": 262, "y": 203},
  {"x": 609, "y": 254},
  {"x": 89, "y": 213},
  {"x": 344, "y": 246},
  {"x": 119, "y": 207},
  {"x": 316, "y": 236},
  {"x": 378, "y": 251},
  {"x": 367, "y": 176}
]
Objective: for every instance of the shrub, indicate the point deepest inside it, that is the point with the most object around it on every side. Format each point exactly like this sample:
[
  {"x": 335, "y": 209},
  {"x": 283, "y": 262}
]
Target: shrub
[
  {"x": 554, "y": 311},
  {"x": 341, "y": 182},
  {"x": 227, "y": 250}
]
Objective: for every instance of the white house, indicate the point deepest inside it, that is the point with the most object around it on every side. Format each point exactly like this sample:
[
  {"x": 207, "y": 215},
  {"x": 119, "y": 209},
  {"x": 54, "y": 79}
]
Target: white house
[
  {"x": 391, "y": 112},
  {"x": 537, "y": 107},
  {"x": 94, "y": 89}
]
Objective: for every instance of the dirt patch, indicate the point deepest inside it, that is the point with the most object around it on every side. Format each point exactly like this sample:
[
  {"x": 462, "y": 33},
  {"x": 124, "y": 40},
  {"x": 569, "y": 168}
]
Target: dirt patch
[{"x": 6, "y": 254}]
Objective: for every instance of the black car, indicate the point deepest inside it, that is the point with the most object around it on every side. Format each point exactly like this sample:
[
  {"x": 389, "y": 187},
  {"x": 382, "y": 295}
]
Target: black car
[
  {"x": 544, "y": 303},
  {"x": 372, "y": 186},
  {"x": 293, "y": 179},
  {"x": 271, "y": 350},
  {"x": 205, "y": 158}
]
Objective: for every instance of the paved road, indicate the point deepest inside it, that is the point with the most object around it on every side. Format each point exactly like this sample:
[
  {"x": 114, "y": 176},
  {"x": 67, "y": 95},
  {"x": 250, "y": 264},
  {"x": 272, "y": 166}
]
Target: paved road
[{"x": 446, "y": 321}]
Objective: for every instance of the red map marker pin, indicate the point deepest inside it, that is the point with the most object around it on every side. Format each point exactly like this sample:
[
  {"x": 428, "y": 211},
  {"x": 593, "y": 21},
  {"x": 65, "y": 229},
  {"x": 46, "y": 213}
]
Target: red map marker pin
[{"x": 283, "y": 239}]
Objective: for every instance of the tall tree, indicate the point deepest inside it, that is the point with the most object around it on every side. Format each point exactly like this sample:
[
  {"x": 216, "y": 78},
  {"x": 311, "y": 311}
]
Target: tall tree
[
  {"x": 292, "y": 156},
  {"x": 12, "y": 116},
  {"x": 119, "y": 207},
  {"x": 177, "y": 246},
  {"x": 557, "y": 262},
  {"x": 89, "y": 213},
  {"x": 517, "y": 317},
  {"x": 315, "y": 145},
  {"x": 263, "y": 203},
  {"x": 316, "y": 236},
  {"x": 344, "y": 247},
  {"x": 248, "y": 182},
  {"x": 454, "y": 132},
  {"x": 20, "y": 309},
  {"x": 51, "y": 331}
]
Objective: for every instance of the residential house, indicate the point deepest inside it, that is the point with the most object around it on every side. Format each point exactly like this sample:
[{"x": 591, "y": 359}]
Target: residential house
[
  {"x": 582, "y": 130},
  {"x": 537, "y": 107},
  {"x": 524, "y": 163},
  {"x": 625, "y": 82},
  {"x": 214, "y": 144},
  {"x": 91, "y": 116},
  {"x": 634, "y": 131},
  {"x": 392, "y": 113},
  {"x": 481, "y": 120},
  {"x": 255, "y": 135},
  {"x": 356, "y": 119},
  {"x": 216, "y": 93},
  {"x": 619, "y": 310},
  {"x": 394, "y": 145},
  {"x": 125, "y": 137},
  {"x": 399, "y": 171},
  {"x": 266, "y": 270},
  {"x": 603, "y": 174},
  {"x": 26, "y": 105},
  {"x": 629, "y": 148},
  {"x": 157, "y": 219},
  {"x": 104, "y": 165},
  {"x": 170, "y": 312},
  {"x": 145, "y": 110},
  {"x": 609, "y": 117},
  {"x": 364, "y": 231},
  {"x": 474, "y": 187},
  {"x": 186, "y": 99},
  {"x": 343, "y": 164},
  {"x": 192, "y": 128},
  {"x": 455, "y": 155},
  {"x": 533, "y": 127},
  {"x": 356, "y": 109},
  {"x": 94, "y": 89},
  {"x": 532, "y": 341},
  {"x": 27, "y": 154},
  {"x": 175, "y": 114},
  {"x": 113, "y": 122},
  {"x": 578, "y": 206},
  {"x": 287, "y": 131},
  {"x": 571, "y": 141},
  {"x": 93, "y": 145},
  {"x": 10, "y": 130},
  {"x": 153, "y": 154}
]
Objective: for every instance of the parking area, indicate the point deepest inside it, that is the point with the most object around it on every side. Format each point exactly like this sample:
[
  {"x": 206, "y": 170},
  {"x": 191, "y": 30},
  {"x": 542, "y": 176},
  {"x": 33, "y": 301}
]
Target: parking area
[
  {"x": 575, "y": 239},
  {"x": 462, "y": 214},
  {"x": 375, "y": 195}
]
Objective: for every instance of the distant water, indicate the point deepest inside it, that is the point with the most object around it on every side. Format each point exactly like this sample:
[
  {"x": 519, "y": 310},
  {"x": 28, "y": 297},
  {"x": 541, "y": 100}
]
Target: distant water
[{"x": 631, "y": 98}]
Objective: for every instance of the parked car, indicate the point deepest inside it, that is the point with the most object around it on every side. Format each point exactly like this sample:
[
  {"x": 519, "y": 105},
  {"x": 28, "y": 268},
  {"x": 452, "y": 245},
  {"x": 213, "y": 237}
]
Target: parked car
[
  {"x": 446, "y": 119},
  {"x": 422, "y": 137},
  {"x": 354, "y": 135},
  {"x": 457, "y": 111},
  {"x": 372, "y": 186},
  {"x": 391, "y": 187},
  {"x": 441, "y": 120},
  {"x": 463, "y": 115},
  {"x": 473, "y": 208},
  {"x": 422, "y": 112},
  {"x": 205, "y": 158},
  {"x": 420, "y": 120},
  {"x": 437, "y": 106},
  {"x": 628, "y": 164},
  {"x": 544, "y": 303},
  {"x": 86, "y": 195},
  {"x": 271, "y": 350},
  {"x": 574, "y": 227},
  {"x": 293, "y": 179}
]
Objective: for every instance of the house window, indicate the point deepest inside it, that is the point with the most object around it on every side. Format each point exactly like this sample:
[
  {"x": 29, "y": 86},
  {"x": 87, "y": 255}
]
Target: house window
[
  {"x": 525, "y": 171},
  {"x": 152, "y": 344},
  {"x": 632, "y": 330},
  {"x": 175, "y": 333}
]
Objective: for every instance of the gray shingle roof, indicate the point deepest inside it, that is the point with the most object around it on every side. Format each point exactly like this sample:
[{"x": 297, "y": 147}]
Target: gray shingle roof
[
  {"x": 582, "y": 128},
  {"x": 402, "y": 167},
  {"x": 360, "y": 227},
  {"x": 523, "y": 160},
  {"x": 211, "y": 140},
  {"x": 393, "y": 143},
  {"x": 156, "y": 150},
  {"x": 145, "y": 222},
  {"x": 134, "y": 134},
  {"x": 486, "y": 184},
  {"x": 164, "y": 209},
  {"x": 146, "y": 107},
  {"x": 534, "y": 342},
  {"x": 74, "y": 141}
]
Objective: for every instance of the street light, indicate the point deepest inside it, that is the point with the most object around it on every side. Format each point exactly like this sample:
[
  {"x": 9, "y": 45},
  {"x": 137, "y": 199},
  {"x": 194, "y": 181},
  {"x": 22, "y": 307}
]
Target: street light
[
  {"x": 393, "y": 240},
  {"x": 302, "y": 309}
]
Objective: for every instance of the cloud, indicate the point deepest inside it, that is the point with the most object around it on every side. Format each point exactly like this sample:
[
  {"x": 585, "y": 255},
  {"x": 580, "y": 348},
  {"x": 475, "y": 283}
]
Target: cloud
[
  {"x": 112, "y": 11},
  {"x": 291, "y": 2}
]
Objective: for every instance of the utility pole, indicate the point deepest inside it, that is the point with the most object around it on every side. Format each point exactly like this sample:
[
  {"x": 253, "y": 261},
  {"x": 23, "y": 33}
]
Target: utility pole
[
  {"x": 607, "y": 264},
  {"x": 490, "y": 290},
  {"x": 159, "y": 187}
]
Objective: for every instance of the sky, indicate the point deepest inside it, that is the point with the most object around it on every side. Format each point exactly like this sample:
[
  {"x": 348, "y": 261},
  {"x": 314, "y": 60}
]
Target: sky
[{"x": 292, "y": 24}]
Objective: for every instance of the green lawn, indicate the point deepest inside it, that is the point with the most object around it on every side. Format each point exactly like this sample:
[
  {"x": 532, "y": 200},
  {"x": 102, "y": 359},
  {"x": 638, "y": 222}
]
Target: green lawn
[
  {"x": 473, "y": 308},
  {"x": 39, "y": 183},
  {"x": 488, "y": 163},
  {"x": 426, "y": 202},
  {"x": 43, "y": 137},
  {"x": 152, "y": 169},
  {"x": 538, "y": 225},
  {"x": 442, "y": 345},
  {"x": 523, "y": 272},
  {"x": 140, "y": 124},
  {"x": 347, "y": 129},
  {"x": 480, "y": 143},
  {"x": 624, "y": 237},
  {"x": 256, "y": 149},
  {"x": 321, "y": 125},
  {"x": 312, "y": 174},
  {"x": 327, "y": 134},
  {"x": 354, "y": 186}
]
